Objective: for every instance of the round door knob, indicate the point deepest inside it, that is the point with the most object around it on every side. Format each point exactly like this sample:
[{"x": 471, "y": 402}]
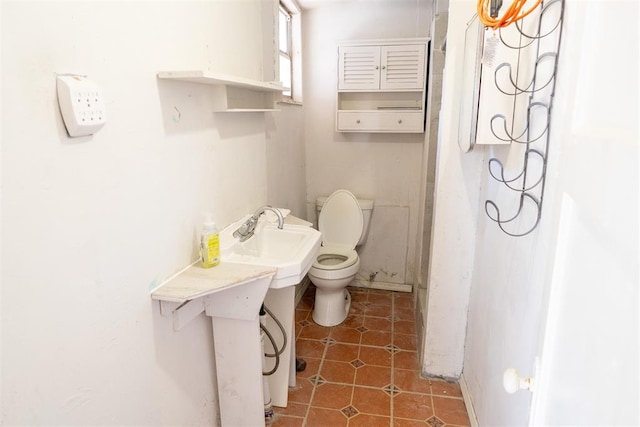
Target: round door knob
[{"x": 512, "y": 381}]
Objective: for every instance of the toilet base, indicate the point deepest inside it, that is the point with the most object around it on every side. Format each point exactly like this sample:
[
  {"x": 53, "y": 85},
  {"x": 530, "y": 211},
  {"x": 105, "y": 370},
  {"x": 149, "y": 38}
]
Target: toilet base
[{"x": 331, "y": 307}]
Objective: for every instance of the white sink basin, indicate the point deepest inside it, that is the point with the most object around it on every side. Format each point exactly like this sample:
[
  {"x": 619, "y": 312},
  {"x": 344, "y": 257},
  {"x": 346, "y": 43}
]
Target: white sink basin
[{"x": 290, "y": 250}]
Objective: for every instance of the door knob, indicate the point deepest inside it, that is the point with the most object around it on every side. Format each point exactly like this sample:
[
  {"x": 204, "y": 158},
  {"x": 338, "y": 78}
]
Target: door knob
[{"x": 512, "y": 381}]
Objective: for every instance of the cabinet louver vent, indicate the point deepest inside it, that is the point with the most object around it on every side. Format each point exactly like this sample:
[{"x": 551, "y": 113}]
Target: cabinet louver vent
[
  {"x": 403, "y": 66},
  {"x": 361, "y": 67}
]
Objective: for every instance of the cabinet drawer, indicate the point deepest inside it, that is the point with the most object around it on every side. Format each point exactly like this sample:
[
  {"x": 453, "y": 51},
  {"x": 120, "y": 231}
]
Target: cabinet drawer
[{"x": 381, "y": 121}]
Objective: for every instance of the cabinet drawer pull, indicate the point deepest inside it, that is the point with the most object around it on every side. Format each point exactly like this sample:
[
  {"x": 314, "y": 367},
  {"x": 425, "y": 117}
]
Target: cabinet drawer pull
[
  {"x": 384, "y": 67},
  {"x": 358, "y": 121},
  {"x": 400, "y": 121},
  {"x": 377, "y": 67}
]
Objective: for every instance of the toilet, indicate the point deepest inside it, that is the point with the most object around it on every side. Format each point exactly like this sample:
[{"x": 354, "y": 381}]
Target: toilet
[{"x": 344, "y": 222}]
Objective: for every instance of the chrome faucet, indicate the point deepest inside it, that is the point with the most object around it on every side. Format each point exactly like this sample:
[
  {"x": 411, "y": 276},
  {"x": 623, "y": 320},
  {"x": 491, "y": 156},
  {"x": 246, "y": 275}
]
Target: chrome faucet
[{"x": 246, "y": 230}]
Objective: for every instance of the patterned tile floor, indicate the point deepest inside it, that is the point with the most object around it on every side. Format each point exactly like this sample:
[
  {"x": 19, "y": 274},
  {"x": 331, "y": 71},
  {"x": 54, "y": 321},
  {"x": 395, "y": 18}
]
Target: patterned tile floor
[{"x": 364, "y": 372}]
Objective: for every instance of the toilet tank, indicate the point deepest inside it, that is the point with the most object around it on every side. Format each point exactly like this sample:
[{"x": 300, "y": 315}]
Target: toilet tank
[{"x": 366, "y": 205}]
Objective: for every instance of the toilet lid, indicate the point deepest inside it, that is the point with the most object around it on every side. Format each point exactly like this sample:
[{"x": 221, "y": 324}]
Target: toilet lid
[{"x": 341, "y": 220}]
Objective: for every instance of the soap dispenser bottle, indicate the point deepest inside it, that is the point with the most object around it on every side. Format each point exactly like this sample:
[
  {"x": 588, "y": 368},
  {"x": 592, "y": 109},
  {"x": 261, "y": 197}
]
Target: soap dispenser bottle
[{"x": 209, "y": 244}]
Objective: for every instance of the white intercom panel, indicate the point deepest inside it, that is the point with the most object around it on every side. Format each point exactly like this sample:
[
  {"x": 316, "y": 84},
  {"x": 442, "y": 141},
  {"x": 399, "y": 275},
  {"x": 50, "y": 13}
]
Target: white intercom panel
[{"x": 81, "y": 104}]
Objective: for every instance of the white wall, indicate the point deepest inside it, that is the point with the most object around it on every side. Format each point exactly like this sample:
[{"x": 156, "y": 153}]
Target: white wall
[
  {"x": 488, "y": 292},
  {"x": 91, "y": 224},
  {"x": 384, "y": 167},
  {"x": 286, "y": 183},
  {"x": 456, "y": 211},
  {"x": 1, "y": 224}
]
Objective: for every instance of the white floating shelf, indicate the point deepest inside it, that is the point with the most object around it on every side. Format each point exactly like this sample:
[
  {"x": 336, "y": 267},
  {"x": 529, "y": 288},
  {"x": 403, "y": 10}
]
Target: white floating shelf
[
  {"x": 232, "y": 94},
  {"x": 247, "y": 110},
  {"x": 211, "y": 78}
]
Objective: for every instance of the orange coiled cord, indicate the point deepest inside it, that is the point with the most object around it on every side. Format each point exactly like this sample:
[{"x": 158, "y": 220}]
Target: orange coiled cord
[{"x": 510, "y": 16}]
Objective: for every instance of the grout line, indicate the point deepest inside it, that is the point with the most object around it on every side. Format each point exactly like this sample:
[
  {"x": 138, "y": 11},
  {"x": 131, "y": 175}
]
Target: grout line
[
  {"x": 315, "y": 383},
  {"x": 393, "y": 357}
]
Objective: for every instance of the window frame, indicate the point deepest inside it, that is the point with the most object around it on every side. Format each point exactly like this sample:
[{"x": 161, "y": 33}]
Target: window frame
[
  {"x": 294, "y": 47},
  {"x": 282, "y": 9}
]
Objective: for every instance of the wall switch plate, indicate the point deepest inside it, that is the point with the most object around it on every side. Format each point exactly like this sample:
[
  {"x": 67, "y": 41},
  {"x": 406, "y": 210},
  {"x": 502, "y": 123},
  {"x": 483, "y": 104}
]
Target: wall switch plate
[{"x": 81, "y": 104}]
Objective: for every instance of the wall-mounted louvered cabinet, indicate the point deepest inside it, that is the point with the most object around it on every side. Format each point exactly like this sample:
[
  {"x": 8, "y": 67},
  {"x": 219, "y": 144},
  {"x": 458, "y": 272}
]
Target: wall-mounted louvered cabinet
[{"x": 382, "y": 86}]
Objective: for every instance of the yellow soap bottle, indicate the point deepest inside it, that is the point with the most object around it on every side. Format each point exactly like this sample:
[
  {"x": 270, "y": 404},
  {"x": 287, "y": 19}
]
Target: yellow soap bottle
[{"x": 209, "y": 244}]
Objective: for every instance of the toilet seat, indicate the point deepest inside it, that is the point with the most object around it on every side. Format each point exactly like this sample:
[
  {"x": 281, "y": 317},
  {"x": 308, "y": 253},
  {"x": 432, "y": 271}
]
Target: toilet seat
[
  {"x": 341, "y": 221},
  {"x": 334, "y": 258}
]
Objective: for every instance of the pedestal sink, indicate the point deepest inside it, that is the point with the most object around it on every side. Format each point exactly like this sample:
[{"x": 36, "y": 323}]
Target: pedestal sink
[
  {"x": 231, "y": 294},
  {"x": 291, "y": 251}
]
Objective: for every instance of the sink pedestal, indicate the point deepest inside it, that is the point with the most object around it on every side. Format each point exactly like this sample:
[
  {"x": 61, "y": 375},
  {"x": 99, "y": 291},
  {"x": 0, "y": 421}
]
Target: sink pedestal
[
  {"x": 231, "y": 294},
  {"x": 238, "y": 355}
]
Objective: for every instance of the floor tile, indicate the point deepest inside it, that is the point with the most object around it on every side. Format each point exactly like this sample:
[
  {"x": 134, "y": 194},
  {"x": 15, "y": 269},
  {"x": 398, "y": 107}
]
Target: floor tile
[
  {"x": 371, "y": 401},
  {"x": 293, "y": 409},
  {"x": 314, "y": 332},
  {"x": 367, "y": 420},
  {"x": 373, "y": 376},
  {"x": 413, "y": 406},
  {"x": 451, "y": 410},
  {"x": 375, "y": 356},
  {"x": 301, "y": 393},
  {"x": 342, "y": 352},
  {"x": 345, "y": 334},
  {"x": 444, "y": 388},
  {"x": 312, "y": 368},
  {"x": 411, "y": 381},
  {"x": 332, "y": 396},
  {"x": 405, "y": 360},
  {"x": 320, "y": 417},
  {"x": 338, "y": 372},
  {"x": 377, "y": 323},
  {"x": 378, "y": 310},
  {"x": 365, "y": 371},
  {"x": 404, "y": 314},
  {"x": 376, "y": 338},
  {"x": 380, "y": 298},
  {"x": 404, "y": 327},
  {"x": 352, "y": 321},
  {"x": 399, "y": 422},
  {"x": 287, "y": 421},
  {"x": 309, "y": 348},
  {"x": 302, "y": 314},
  {"x": 404, "y": 342}
]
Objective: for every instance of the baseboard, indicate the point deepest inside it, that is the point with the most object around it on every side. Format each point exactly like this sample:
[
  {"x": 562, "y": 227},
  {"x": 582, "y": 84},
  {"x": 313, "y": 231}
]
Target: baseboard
[
  {"x": 301, "y": 288},
  {"x": 383, "y": 286},
  {"x": 466, "y": 395}
]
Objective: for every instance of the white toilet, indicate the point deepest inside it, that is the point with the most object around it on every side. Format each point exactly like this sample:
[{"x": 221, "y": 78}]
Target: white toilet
[{"x": 344, "y": 222}]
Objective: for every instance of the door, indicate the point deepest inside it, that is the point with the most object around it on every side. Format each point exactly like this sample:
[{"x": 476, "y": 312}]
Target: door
[
  {"x": 403, "y": 66},
  {"x": 589, "y": 354},
  {"x": 359, "y": 67}
]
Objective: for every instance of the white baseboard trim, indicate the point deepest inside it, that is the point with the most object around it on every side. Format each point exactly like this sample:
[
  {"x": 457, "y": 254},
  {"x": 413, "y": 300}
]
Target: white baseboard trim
[
  {"x": 383, "y": 286},
  {"x": 466, "y": 395},
  {"x": 301, "y": 288}
]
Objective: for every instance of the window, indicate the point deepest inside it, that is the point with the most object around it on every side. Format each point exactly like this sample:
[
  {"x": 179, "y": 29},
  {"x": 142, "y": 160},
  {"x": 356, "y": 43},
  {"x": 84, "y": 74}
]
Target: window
[
  {"x": 284, "y": 44},
  {"x": 289, "y": 44}
]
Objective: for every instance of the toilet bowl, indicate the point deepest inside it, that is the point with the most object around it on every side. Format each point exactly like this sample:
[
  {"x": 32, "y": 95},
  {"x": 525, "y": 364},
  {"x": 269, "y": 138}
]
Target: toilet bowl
[{"x": 343, "y": 225}]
